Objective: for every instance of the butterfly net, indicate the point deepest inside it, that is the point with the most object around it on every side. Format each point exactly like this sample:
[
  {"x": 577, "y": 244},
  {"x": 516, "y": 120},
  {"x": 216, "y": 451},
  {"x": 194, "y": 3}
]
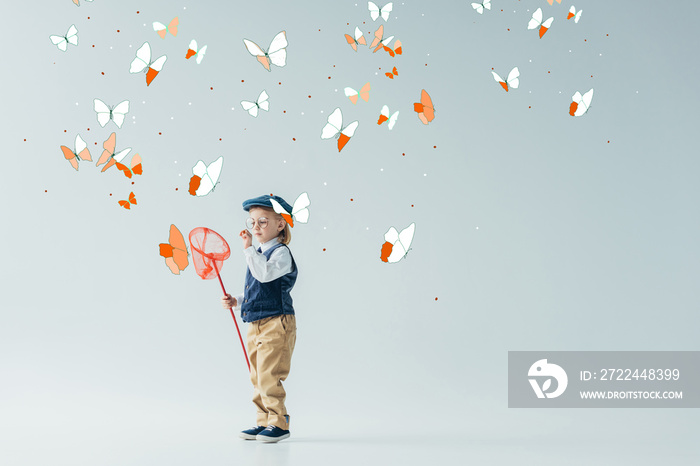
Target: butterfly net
[{"x": 209, "y": 251}]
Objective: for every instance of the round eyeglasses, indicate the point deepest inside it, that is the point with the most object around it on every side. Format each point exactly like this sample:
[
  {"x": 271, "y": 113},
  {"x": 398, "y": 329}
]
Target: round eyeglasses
[{"x": 262, "y": 223}]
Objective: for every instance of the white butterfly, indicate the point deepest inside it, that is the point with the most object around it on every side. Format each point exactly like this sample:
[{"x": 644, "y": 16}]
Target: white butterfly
[
  {"x": 143, "y": 62},
  {"x": 574, "y": 14},
  {"x": 334, "y": 129},
  {"x": 375, "y": 12},
  {"x": 396, "y": 245},
  {"x": 275, "y": 54},
  {"x": 536, "y": 21},
  {"x": 580, "y": 103},
  {"x": 62, "y": 42},
  {"x": 511, "y": 81},
  {"x": 205, "y": 177},
  {"x": 385, "y": 115},
  {"x": 300, "y": 211},
  {"x": 479, "y": 7},
  {"x": 252, "y": 107},
  {"x": 193, "y": 51},
  {"x": 106, "y": 113}
]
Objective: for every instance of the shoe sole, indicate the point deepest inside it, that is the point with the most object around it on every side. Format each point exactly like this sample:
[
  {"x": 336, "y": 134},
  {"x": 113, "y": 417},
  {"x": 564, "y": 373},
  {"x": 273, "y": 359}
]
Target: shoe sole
[
  {"x": 265, "y": 438},
  {"x": 247, "y": 436}
]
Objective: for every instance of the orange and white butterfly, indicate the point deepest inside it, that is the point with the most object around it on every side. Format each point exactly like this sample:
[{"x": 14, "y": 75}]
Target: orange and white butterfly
[
  {"x": 393, "y": 73},
  {"x": 379, "y": 41},
  {"x": 359, "y": 39},
  {"x": 163, "y": 30},
  {"x": 396, "y": 245},
  {"x": 352, "y": 94},
  {"x": 175, "y": 251},
  {"x": 205, "y": 177},
  {"x": 385, "y": 116},
  {"x": 334, "y": 129},
  {"x": 512, "y": 81},
  {"x": 143, "y": 62},
  {"x": 106, "y": 113},
  {"x": 536, "y": 22},
  {"x": 127, "y": 204},
  {"x": 479, "y": 7},
  {"x": 192, "y": 51},
  {"x": 375, "y": 12},
  {"x": 80, "y": 152},
  {"x": 550, "y": 1},
  {"x": 424, "y": 108},
  {"x": 580, "y": 103},
  {"x": 300, "y": 211},
  {"x": 135, "y": 168},
  {"x": 62, "y": 42},
  {"x": 275, "y": 54},
  {"x": 108, "y": 154},
  {"x": 261, "y": 103},
  {"x": 397, "y": 50},
  {"x": 574, "y": 14},
  {"x": 77, "y": 2}
]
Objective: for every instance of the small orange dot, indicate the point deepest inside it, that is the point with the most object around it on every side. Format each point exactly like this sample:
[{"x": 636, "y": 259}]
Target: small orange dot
[
  {"x": 411, "y": 205},
  {"x": 95, "y": 143},
  {"x": 279, "y": 83},
  {"x": 63, "y": 131},
  {"x": 89, "y": 18},
  {"x": 591, "y": 76},
  {"x": 548, "y": 72},
  {"x": 608, "y": 142},
  {"x": 329, "y": 77},
  {"x": 324, "y": 249},
  {"x": 436, "y": 298},
  {"x": 348, "y": 24},
  {"x": 211, "y": 88},
  {"x": 294, "y": 139},
  {"x": 426, "y": 64},
  {"x": 284, "y": 111},
  {"x": 159, "y": 133},
  {"x": 242, "y": 80},
  {"x": 137, "y": 12},
  {"x": 319, "y": 30},
  {"x": 509, "y": 29},
  {"x": 585, "y": 40},
  {"x": 607, "y": 34},
  {"x": 46, "y": 190},
  {"x": 88, "y": 129},
  {"x": 404, "y": 154},
  {"x": 309, "y": 97},
  {"x": 175, "y": 189},
  {"x": 118, "y": 30},
  {"x": 434, "y": 147},
  {"x": 132, "y": 182},
  {"x": 333, "y": 66},
  {"x": 351, "y": 199},
  {"x": 110, "y": 194},
  {"x": 103, "y": 73},
  {"x": 529, "y": 106},
  {"x": 93, "y": 46},
  {"x": 501, "y": 10},
  {"x": 219, "y": 139}
]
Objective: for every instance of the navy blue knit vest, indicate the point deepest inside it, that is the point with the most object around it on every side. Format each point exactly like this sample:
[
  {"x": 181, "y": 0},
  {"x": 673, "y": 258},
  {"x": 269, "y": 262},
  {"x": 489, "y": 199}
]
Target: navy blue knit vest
[{"x": 261, "y": 300}]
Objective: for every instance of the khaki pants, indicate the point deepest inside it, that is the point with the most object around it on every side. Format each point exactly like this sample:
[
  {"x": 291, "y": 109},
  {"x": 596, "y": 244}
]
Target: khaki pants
[{"x": 270, "y": 346}]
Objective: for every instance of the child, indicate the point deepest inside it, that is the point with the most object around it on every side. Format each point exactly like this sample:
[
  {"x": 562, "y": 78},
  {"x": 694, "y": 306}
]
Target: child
[{"x": 267, "y": 305}]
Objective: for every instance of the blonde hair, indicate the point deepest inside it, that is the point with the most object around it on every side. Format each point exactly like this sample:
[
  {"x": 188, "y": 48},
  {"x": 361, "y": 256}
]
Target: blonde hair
[{"x": 285, "y": 235}]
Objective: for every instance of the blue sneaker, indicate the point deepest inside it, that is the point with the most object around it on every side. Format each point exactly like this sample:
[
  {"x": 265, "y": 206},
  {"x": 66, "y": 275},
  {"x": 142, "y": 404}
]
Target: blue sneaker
[
  {"x": 272, "y": 434},
  {"x": 250, "y": 434}
]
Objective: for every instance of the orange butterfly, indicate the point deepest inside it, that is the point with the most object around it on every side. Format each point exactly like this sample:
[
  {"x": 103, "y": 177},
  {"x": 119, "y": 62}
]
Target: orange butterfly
[
  {"x": 127, "y": 204},
  {"x": 359, "y": 39},
  {"x": 175, "y": 251},
  {"x": 136, "y": 168},
  {"x": 108, "y": 156},
  {"x": 550, "y": 1},
  {"x": 81, "y": 152},
  {"x": 161, "y": 29},
  {"x": 424, "y": 108},
  {"x": 397, "y": 50},
  {"x": 393, "y": 73},
  {"x": 379, "y": 40}
]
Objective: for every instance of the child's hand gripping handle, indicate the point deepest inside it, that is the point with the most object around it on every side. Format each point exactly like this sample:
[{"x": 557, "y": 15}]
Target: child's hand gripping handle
[{"x": 233, "y": 315}]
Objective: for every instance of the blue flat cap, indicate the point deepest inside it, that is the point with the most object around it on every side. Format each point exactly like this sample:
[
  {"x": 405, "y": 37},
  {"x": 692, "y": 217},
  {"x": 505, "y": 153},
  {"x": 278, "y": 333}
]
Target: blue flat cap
[{"x": 264, "y": 201}]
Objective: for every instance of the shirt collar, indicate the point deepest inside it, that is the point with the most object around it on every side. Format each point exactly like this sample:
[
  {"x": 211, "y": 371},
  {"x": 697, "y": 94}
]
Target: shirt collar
[{"x": 268, "y": 244}]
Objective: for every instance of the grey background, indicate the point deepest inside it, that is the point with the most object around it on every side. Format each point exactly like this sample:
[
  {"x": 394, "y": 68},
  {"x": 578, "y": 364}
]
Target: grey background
[{"x": 532, "y": 230}]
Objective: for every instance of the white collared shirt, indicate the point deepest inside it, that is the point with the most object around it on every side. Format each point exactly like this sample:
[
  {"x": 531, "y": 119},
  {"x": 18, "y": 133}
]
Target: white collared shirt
[{"x": 264, "y": 270}]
